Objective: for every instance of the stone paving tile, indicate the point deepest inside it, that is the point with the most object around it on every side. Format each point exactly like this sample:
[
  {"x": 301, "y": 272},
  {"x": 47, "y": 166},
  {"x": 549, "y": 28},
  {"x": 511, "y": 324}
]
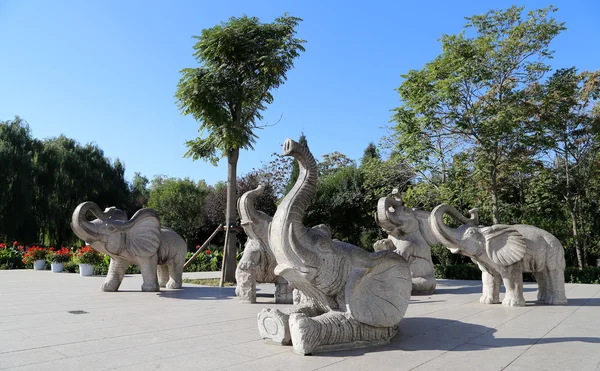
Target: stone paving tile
[
  {"x": 206, "y": 328},
  {"x": 27, "y": 357},
  {"x": 203, "y": 358},
  {"x": 474, "y": 357},
  {"x": 93, "y": 362}
]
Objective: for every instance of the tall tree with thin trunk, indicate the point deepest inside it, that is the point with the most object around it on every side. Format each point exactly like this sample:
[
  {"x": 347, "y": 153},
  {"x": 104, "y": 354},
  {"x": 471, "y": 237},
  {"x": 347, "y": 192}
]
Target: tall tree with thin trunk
[
  {"x": 242, "y": 61},
  {"x": 479, "y": 93}
]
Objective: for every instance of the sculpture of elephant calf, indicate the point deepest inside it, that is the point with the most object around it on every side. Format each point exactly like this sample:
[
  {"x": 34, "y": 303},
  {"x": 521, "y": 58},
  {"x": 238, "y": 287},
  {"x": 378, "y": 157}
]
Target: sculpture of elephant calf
[
  {"x": 258, "y": 262},
  {"x": 159, "y": 252},
  {"x": 503, "y": 253},
  {"x": 350, "y": 297}
]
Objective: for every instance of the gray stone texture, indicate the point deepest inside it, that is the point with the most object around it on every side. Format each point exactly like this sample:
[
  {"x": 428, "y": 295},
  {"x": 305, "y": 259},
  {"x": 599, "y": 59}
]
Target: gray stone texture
[
  {"x": 158, "y": 251},
  {"x": 350, "y": 298},
  {"x": 503, "y": 253},
  {"x": 258, "y": 262},
  {"x": 205, "y": 328},
  {"x": 409, "y": 236}
]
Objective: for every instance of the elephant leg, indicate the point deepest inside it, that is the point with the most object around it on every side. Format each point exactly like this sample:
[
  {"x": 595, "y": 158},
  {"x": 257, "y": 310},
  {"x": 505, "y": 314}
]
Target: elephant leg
[
  {"x": 283, "y": 291},
  {"x": 175, "y": 276},
  {"x": 163, "y": 275},
  {"x": 148, "y": 268},
  {"x": 544, "y": 284},
  {"x": 491, "y": 288},
  {"x": 423, "y": 278},
  {"x": 556, "y": 288},
  {"x": 114, "y": 277},
  {"x": 513, "y": 282},
  {"x": 249, "y": 268},
  {"x": 334, "y": 331}
]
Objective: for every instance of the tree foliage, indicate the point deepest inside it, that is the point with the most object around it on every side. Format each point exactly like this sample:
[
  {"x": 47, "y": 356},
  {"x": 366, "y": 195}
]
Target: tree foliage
[{"x": 479, "y": 92}]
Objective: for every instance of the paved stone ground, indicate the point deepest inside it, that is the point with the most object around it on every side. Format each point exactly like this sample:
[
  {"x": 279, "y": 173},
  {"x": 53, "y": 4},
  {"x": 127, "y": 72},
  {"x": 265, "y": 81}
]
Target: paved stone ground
[{"x": 205, "y": 328}]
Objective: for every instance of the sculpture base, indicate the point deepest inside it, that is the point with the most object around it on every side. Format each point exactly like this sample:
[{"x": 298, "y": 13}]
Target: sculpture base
[
  {"x": 273, "y": 326},
  {"x": 333, "y": 331},
  {"x": 344, "y": 346}
]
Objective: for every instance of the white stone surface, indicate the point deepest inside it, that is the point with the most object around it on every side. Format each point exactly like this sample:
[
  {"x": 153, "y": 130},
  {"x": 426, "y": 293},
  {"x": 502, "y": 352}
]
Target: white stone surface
[
  {"x": 158, "y": 251},
  {"x": 409, "y": 235},
  {"x": 205, "y": 328},
  {"x": 258, "y": 263},
  {"x": 503, "y": 253},
  {"x": 350, "y": 298}
]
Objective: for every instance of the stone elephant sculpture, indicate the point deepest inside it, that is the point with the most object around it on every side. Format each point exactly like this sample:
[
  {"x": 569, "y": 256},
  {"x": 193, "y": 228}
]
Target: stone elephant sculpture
[
  {"x": 258, "y": 262},
  {"x": 503, "y": 253},
  {"x": 350, "y": 297},
  {"x": 410, "y": 236},
  {"x": 158, "y": 251}
]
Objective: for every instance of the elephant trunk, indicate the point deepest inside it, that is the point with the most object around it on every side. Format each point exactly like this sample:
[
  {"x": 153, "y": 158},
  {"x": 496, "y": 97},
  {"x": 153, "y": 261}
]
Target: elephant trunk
[
  {"x": 441, "y": 231},
  {"x": 384, "y": 217},
  {"x": 246, "y": 208},
  {"x": 293, "y": 206},
  {"x": 81, "y": 226},
  {"x": 296, "y": 202}
]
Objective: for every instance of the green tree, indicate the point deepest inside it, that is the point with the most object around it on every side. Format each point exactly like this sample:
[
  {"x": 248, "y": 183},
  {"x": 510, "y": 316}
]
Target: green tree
[
  {"x": 480, "y": 92},
  {"x": 180, "y": 205},
  {"x": 242, "y": 61},
  {"x": 138, "y": 193},
  {"x": 17, "y": 185},
  {"x": 571, "y": 115}
]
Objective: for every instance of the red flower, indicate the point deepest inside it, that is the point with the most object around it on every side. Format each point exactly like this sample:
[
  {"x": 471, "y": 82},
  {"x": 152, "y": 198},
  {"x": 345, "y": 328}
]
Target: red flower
[
  {"x": 21, "y": 247},
  {"x": 15, "y": 243},
  {"x": 197, "y": 247},
  {"x": 207, "y": 252},
  {"x": 2, "y": 246}
]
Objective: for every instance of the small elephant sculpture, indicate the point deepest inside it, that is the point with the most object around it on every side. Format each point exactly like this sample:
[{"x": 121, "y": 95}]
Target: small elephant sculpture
[
  {"x": 409, "y": 236},
  {"x": 258, "y": 262},
  {"x": 158, "y": 251},
  {"x": 350, "y": 297},
  {"x": 503, "y": 253}
]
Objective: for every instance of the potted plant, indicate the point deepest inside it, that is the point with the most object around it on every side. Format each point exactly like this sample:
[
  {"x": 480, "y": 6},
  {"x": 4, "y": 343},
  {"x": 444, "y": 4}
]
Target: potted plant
[
  {"x": 87, "y": 257},
  {"x": 58, "y": 258},
  {"x": 37, "y": 256}
]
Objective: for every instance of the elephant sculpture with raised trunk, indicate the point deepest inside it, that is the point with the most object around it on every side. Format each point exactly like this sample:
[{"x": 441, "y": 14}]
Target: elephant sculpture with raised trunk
[
  {"x": 350, "y": 297},
  {"x": 258, "y": 262}
]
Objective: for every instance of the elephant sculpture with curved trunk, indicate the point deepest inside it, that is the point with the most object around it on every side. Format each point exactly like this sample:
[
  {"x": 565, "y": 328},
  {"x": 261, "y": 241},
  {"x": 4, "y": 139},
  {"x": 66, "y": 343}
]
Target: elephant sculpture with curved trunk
[
  {"x": 158, "y": 251},
  {"x": 503, "y": 253},
  {"x": 410, "y": 236},
  {"x": 350, "y": 297},
  {"x": 258, "y": 262}
]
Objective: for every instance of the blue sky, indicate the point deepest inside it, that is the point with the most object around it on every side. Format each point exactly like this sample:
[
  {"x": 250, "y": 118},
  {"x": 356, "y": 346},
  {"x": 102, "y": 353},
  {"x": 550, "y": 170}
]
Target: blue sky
[{"x": 106, "y": 71}]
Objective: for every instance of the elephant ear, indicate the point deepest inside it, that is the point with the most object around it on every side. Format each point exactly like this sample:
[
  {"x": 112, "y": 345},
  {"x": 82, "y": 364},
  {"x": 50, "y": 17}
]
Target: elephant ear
[
  {"x": 143, "y": 234},
  {"x": 373, "y": 296},
  {"x": 504, "y": 244}
]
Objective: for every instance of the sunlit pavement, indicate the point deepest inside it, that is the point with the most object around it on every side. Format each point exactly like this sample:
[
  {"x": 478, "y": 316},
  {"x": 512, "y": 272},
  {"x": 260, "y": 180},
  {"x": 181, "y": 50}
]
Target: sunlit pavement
[{"x": 61, "y": 321}]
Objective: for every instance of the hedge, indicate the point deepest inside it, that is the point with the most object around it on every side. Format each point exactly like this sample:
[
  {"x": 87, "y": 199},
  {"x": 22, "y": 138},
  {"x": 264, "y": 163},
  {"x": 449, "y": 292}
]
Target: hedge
[{"x": 472, "y": 272}]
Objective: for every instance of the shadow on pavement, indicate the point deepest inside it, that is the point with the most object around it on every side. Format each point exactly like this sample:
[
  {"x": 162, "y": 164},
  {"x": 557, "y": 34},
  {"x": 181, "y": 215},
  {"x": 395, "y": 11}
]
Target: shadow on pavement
[
  {"x": 199, "y": 293},
  {"x": 426, "y": 333}
]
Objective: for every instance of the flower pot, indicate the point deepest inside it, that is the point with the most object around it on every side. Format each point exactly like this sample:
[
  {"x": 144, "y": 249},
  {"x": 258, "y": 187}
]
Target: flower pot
[
  {"x": 39, "y": 264},
  {"x": 86, "y": 270},
  {"x": 57, "y": 267}
]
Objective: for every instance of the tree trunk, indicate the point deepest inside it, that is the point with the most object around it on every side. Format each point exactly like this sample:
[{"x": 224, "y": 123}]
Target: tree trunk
[
  {"x": 230, "y": 249},
  {"x": 575, "y": 228},
  {"x": 495, "y": 218}
]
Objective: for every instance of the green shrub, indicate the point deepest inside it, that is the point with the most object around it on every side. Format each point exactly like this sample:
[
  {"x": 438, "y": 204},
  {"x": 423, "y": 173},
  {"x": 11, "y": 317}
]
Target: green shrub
[
  {"x": 585, "y": 275},
  {"x": 458, "y": 272},
  {"x": 11, "y": 259},
  {"x": 472, "y": 272},
  {"x": 71, "y": 267}
]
